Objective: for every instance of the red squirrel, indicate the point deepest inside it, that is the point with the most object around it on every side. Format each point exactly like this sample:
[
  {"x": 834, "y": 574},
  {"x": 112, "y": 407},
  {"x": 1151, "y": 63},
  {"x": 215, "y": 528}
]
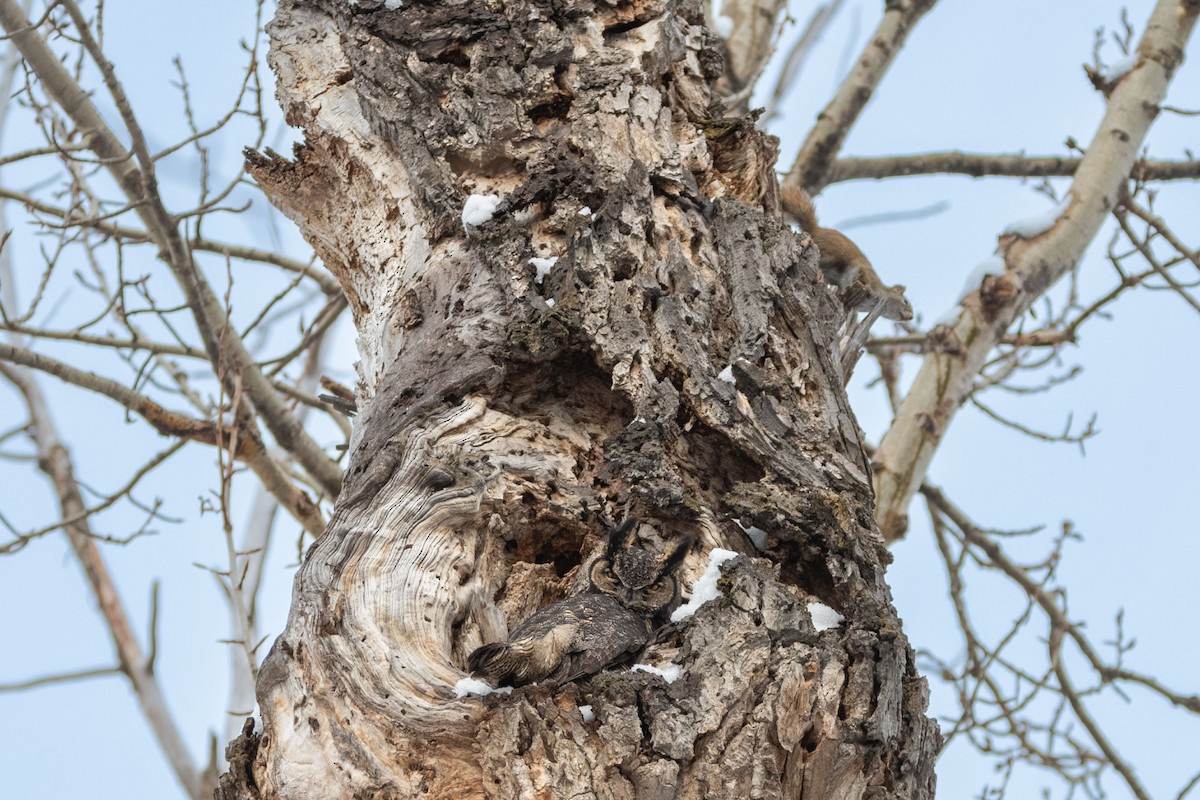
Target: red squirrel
[{"x": 843, "y": 263}]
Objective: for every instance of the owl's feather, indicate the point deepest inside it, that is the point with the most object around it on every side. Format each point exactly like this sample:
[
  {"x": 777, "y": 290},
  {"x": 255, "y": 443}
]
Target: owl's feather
[
  {"x": 631, "y": 593},
  {"x": 573, "y": 638}
]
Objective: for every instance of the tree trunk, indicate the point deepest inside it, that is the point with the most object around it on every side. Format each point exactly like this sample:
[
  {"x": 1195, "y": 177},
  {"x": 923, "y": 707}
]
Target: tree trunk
[{"x": 507, "y": 421}]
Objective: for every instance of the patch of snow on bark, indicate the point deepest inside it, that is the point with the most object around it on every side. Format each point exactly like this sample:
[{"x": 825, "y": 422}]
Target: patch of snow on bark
[
  {"x": 543, "y": 267},
  {"x": 1037, "y": 224},
  {"x": 705, "y": 587},
  {"x": 473, "y": 686},
  {"x": 1118, "y": 68},
  {"x": 670, "y": 673},
  {"x": 479, "y": 208},
  {"x": 824, "y": 617},
  {"x": 992, "y": 265}
]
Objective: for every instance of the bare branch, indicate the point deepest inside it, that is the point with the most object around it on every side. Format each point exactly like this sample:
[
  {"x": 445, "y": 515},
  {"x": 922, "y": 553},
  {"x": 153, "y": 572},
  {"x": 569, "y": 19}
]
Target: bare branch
[
  {"x": 1066, "y": 436},
  {"x": 24, "y": 539},
  {"x": 1143, "y": 247},
  {"x": 65, "y": 677},
  {"x": 814, "y": 161},
  {"x": 328, "y": 315},
  {"x": 141, "y": 150},
  {"x": 750, "y": 43},
  {"x": 139, "y": 188},
  {"x": 1188, "y": 787},
  {"x": 327, "y": 282},
  {"x": 252, "y": 551},
  {"x": 234, "y": 585},
  {"x": 818, "y": 23},
  {"x": 80, "y": 337},
  {"x": 1160, "y": 227},
  {"x": 40, "y": 151},
  {"x": 1031, "y": 267},
  {"x": 1081, "y": 713},
  {"x": 167, "y": 423},
  {"x": 55, "y": 462},
  {"x": 1048, "y": 603},
  {"x": 978, "y": 165},
  {"x": 170, "y": 423},
  {"x": 338, "y": 415}
]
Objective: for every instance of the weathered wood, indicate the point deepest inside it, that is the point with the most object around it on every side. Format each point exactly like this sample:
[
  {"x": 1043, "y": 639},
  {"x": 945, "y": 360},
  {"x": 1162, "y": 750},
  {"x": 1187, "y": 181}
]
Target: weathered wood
[{"x": 501, "y": 434}]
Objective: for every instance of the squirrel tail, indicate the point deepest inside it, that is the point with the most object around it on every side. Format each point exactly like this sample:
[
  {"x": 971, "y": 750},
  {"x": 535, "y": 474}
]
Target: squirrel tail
[{"x": 798, "y": 205}]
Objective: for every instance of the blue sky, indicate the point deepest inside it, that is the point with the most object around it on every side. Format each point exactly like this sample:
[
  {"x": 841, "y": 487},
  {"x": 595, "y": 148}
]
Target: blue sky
[{"x": 979, "y": 77}]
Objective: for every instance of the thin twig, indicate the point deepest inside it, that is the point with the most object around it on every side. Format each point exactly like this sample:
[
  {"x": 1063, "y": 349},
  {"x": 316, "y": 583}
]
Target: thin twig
[
  {"x": 986, "y": 164},
  {"x": 139, "y": 187},
  {"x": 996, "y": 556},
  {"x": 57, "y": 465},
  {"x": 1082, "y": 714},
  {"x": 328, "y": 283},
  {"x": 64, "y": 677}
]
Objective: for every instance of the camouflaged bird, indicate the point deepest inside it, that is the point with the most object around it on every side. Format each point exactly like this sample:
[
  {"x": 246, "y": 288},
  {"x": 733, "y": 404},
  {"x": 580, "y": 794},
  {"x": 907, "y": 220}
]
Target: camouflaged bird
[{"x": 631, "y": 593}]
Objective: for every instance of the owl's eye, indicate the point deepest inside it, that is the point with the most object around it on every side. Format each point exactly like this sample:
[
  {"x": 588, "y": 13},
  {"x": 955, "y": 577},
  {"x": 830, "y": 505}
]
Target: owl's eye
[{"x": 603, "y": 576}]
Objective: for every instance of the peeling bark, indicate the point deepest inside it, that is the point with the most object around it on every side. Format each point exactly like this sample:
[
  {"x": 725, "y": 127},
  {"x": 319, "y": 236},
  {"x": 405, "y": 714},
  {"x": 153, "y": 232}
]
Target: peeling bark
[{"x": 501, "y": 434}]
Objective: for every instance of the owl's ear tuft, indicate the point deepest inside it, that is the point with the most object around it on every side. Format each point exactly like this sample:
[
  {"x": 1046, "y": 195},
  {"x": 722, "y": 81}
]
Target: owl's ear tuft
[
  {"x": 675, "y": 553},
  {"x": 619, "y": 537}
]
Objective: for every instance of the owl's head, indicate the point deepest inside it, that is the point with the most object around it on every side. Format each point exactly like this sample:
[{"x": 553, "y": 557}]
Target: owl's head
[{"x": 640, "y": 580}]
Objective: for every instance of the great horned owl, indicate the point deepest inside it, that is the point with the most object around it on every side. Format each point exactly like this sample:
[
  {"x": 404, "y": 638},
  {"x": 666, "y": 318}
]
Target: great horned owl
[{"x": 631, "y": 592}]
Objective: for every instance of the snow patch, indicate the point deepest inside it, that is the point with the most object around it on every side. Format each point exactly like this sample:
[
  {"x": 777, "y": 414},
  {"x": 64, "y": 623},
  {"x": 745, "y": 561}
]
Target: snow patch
[
  {"x": 549, "y": 302},
  {"x": 669, "y": 673},
  {"x": 727, "y": 374},
  {"x": 586, "y": 713},
  {"x": 723, "y": 25},
  {"x": 479, "y": 208},
  {"x": 1037, "y": 224},
  {"x": 992, "y": 265},
  {"x": 525, "y": 216},
  {"x": 472, "y": 686},
  {"x": 1118, "y": 68},
  {"x": 543, "y": 267},
  {"x": 824, "y": 617},
  {"x": 586, "y": 211},
  {"x": 705, "y": 587}
]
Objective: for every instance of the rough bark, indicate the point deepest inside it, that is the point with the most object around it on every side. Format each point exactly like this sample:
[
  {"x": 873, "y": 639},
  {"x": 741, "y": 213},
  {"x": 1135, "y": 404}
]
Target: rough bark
[{"x": 500, "y": 434}]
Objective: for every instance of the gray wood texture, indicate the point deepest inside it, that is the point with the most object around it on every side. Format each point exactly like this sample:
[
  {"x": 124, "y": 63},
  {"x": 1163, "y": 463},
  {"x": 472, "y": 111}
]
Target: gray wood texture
[{"x": 501, "y": 435}]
